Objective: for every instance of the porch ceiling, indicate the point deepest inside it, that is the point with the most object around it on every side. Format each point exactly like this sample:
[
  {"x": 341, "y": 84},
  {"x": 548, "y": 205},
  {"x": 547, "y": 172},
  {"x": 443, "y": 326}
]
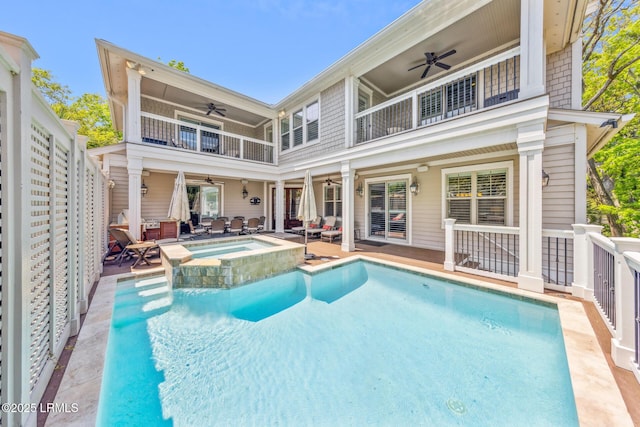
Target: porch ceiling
[
  {"x": 491, "y": 26},
  {"x": 196, "y": 102}
]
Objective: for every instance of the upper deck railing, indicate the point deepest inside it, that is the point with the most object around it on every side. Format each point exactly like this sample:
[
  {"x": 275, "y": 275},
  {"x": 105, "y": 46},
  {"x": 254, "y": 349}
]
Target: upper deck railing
[
  {"x": 203, "y": 139},
  {"x": 484, "y": 84}
]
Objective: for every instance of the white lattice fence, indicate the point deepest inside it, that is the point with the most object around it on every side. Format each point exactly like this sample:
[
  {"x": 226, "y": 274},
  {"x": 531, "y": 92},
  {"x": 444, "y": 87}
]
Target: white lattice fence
[
  {"x": 61, "y": 241},
  {"x": 40, "y": 256}
]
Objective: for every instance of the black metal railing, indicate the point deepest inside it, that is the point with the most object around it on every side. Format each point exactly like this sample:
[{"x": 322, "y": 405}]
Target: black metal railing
[
  {"x": 557, "y": 260},
  {"x": 493, "y": 252},
  {"x": 604, "y": 281}
]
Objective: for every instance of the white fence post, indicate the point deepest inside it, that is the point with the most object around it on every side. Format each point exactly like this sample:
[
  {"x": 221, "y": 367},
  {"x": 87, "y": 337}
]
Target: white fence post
[
  {"x": 582, "y": 285},
  {"x": 449, "y": 241},
  {"x": 622, "y": 344}
]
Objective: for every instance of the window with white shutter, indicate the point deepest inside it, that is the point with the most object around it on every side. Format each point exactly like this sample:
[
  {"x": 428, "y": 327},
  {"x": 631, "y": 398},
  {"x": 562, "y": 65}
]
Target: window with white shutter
[{"x": 475, "y": 195}]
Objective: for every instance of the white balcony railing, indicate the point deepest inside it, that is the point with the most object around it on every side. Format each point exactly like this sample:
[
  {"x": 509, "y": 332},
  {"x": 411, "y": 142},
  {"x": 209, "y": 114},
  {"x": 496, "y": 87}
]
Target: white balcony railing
[
  {"x": 484, "y": 84},
  {"x": 203, "y": 139}
]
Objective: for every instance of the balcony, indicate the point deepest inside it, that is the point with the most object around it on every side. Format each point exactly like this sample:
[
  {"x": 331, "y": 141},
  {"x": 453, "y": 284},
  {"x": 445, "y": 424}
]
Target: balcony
[
  {"x": 159, "y": 130},
  {"x": 482, "y": 85}
]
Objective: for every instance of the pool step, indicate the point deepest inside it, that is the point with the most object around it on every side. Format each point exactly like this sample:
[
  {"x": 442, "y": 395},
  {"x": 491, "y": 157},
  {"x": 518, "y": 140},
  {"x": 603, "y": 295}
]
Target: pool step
[{"x": 140, "y": 300}]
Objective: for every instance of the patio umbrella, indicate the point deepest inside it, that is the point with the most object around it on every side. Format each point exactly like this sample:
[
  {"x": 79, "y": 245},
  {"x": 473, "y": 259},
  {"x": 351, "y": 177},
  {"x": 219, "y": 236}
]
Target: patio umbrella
[
  {"x": 179, "y": 207},
  {"x": 307, "y": 211}
]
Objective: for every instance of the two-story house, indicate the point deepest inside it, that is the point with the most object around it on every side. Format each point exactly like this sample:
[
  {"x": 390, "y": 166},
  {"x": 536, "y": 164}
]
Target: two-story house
[{"x": 457, "y": 127}]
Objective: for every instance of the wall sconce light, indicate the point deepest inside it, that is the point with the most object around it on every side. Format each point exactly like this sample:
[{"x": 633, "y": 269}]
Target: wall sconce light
[
  {"x": 611, "y": 122},
  {"x": 245, "y": 193},
  {"x": 414, "y": 187},
  {"x": 545, "y": 179},
  {"x": 144, "y": 189},
  {"x": 111, "y": 184},
  {"x": 360, "y": 190}
]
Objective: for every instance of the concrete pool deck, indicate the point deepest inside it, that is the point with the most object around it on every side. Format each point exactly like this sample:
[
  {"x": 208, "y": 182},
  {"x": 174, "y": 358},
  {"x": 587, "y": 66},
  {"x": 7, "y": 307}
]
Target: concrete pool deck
[{"x": 598, "y": 398}]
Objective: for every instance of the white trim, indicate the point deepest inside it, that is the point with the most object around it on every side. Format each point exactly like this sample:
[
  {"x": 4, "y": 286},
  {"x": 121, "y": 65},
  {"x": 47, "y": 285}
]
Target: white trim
[
  {"x": 508, "y": 165},
  {"x": 409, "y": 212},
  {"x": 300, "y": 107},
  {"x": 199, "y": 119}
]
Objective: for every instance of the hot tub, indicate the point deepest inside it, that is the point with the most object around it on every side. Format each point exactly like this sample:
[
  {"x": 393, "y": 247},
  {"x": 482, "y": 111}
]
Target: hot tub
[{"x": 228, "y": 262}]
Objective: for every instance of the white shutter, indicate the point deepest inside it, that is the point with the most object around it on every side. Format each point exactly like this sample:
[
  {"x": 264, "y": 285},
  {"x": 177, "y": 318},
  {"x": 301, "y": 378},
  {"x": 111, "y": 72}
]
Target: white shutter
[
  {"x": 492, "y": 197},
  {"x": 459, "y": 197},
  {"x": 61, "y": 241}
]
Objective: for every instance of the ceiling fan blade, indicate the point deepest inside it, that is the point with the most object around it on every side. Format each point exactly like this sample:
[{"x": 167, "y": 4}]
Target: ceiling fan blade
[
  {"x": 425, "y": 72},
  {"x": 224, "y": 110},
  {"x": 441, "y": 65},
  {"x": 444, "y": 55},
  {"x": 218, "y": 112},
  {"x": 208, "y": 112},
  {"x": 417, "y": 66}
]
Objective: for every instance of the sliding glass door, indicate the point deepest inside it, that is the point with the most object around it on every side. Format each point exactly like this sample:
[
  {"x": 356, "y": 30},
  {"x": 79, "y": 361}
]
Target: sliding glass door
[{"x": 387, "y": 210}]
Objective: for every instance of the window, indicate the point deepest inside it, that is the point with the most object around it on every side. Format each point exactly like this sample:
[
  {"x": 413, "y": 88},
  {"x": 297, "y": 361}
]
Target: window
[
  {"x": 387, "y": 205},
  {"x": 478, "y": 195},
  {"x": 300, "y": 127},
  {"x": 333, "y": 200},
  {"x": 284, "y": 133},
  {"x": 209, "y": 139}
]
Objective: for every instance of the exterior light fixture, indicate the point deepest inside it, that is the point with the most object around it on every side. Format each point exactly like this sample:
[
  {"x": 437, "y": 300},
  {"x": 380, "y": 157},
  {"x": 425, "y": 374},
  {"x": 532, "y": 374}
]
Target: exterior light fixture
[
  {"x": 144, "y": 189},
  {"x": 111, "y": 184},
  {"x": 360, "y": 190},
  {"x": 611, "y": 122},
  {"x": 282, "y": 113},
  {"x": 545, "y": 178},
  {"x": 245, "y": 193},
  {"x": 414, "y": 187}
]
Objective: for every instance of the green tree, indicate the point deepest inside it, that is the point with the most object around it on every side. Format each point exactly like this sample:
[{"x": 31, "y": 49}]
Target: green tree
[
  {"x": 178, "y": 65},
  {"x": 611, "y": 51},
  {"x": 89, "y": 110}
]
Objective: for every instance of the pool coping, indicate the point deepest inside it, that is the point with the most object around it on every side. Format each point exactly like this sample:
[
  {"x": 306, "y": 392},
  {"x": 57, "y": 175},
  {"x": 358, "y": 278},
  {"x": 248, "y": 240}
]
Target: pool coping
[{"x": 588, "y": 368}]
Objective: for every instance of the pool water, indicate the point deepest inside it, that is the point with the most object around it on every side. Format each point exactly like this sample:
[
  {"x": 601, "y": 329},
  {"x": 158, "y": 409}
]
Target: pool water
[
  {"x": 355, "y": 345},
  {"x": 218, "y": 249}
]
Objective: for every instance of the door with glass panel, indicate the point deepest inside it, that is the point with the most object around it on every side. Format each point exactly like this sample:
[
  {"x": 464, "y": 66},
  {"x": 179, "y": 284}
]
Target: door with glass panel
[{"x": 387, "y": 210}]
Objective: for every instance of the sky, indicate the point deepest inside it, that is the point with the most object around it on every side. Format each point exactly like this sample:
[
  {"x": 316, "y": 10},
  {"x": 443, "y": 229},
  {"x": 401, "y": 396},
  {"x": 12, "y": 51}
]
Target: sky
[{"x": 264, "y": 49}]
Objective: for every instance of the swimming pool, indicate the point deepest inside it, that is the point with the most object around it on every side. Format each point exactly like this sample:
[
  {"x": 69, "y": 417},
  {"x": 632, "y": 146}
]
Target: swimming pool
[{"x": 358, "y": 344}]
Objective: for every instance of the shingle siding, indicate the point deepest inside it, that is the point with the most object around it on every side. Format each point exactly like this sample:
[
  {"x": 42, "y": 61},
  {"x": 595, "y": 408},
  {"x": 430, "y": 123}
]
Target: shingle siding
[
  {"x": 559, "y": 78},
  {"x": 332, "y": 134}
]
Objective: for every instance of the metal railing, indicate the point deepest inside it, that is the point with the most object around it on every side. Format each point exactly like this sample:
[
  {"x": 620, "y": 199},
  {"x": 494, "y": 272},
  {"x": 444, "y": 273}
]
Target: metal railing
[
  {"x": 557, "y": 257},
  {"x": 168, "y": 132},
  {"x": 487, "y": 83},
  {"x": 485, "y": 248},
  {"x": 604, "y": 276}
]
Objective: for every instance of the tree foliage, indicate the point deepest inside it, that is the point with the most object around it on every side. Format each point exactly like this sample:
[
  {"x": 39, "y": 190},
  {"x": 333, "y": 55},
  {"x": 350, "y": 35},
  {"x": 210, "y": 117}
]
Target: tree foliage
[
  {"x": 178, "y": 65},
  {"x": 89, "y": 110},
  {"x": 611, "y": 54}
]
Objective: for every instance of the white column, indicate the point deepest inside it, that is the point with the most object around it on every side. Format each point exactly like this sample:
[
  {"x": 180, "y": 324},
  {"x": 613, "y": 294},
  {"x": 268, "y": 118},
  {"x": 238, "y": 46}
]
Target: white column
[
  {"x": 449, "y": 241},
  {"x": 279, "y": 206},
  {"x": 530, "y": 144},
  {"x": 350, "y": 106},
  {"x": 134, "y": 168},
  {"x": 133, "y": 129},
  {"x": 348, "y": 184},
  {"x": 623, "y": 342},
  {"x": 580, "y": 173},
  {"x": 532, "y": 57},
  {"x": 582, "y": 285},
  {"x": 576, "y": 74}
]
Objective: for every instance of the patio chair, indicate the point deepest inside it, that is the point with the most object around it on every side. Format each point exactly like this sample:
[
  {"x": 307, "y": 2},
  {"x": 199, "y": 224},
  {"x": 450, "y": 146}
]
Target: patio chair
[
  {"x": 236, "y": 226},
  {"x": 329, "y": 224},
  {"x": 313, "y": 224},
  {"x": 218, "y": 226},
  {"x": 116, "y": 248},
  {"x": 132, "y": 246},
  {"x": 331, "y": 234},
  {"x": 194, "y": 231},
  {"x": 253, "y": 225},
  {"x": 261, "y": 223}
]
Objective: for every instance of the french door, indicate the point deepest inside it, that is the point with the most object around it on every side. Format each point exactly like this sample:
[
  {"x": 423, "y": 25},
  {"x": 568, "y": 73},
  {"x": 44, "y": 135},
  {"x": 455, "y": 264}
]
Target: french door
[
  {"x": 291, "y": 203},
  {"x": 387, "y": 210}
]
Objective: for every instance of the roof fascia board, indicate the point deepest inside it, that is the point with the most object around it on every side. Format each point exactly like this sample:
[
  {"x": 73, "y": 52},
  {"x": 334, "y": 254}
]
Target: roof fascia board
[{"x": 169, "y": 75}]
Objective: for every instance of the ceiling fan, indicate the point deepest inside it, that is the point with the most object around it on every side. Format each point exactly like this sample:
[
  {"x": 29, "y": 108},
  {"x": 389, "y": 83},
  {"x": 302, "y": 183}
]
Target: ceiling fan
[
  {"x": 213, "y": 108},
  {"x": 329, "y": 181},
  {"x": 433, "y": 59}
]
